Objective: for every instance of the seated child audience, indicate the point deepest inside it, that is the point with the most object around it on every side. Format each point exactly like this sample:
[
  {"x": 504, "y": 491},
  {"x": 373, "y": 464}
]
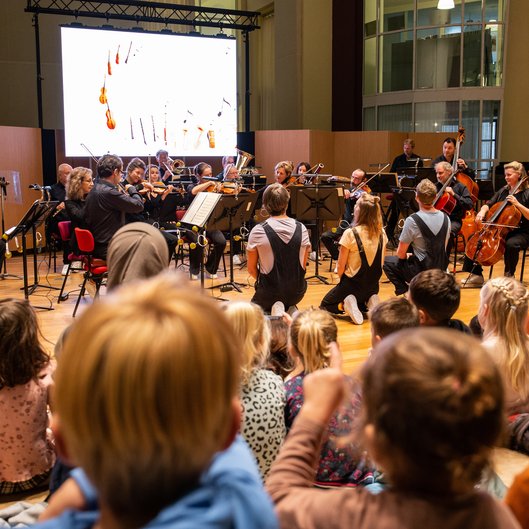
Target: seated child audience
[
  {"x": 502, "y": 314},
  {"x": 433, "y": 413},
  {"x": 262, "y": 391},
  {"x": 136, "y": 251},
  {"x": 311, "y": 334},
  {"x": 391, "y": 316},
  {"x": 437, "y": 295},
  {"x": 168, "y": 455},
  {"x": 280, "y": 361},
  {"x": 27, "y": 451}
]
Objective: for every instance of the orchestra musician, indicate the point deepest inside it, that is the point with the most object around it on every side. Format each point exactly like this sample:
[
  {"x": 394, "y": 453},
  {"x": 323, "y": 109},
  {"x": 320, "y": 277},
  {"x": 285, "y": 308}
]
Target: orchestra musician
[
  {"x": 461, "y": 195},
  {"x": 215, "y": 237},
  {"x": 153, "y": 199},
  {"x": 449, "y": 149},
  {"x": 301, "y": 169},
  {"x": 162, "y": 157},
  {"x": 407, "y": 159},
  {"x": 106, "y": 204},
  {"x": 518, "y": 238},
  {"x": 58, "y": 192},
  {"x": 225, "y": 161},
  {"x": 331, "y": 238}
]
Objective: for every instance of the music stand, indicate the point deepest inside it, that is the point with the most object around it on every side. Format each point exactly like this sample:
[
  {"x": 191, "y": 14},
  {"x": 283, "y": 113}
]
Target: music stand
[
  {"x": 419, "y": 173},
  {"x": 32, "y": 219},
  {"x": 231, "y": 212},
  {"x": 317, "y": 203},
  {"x": 383, "y": 182},
  {"x": 3, "y": 195}
]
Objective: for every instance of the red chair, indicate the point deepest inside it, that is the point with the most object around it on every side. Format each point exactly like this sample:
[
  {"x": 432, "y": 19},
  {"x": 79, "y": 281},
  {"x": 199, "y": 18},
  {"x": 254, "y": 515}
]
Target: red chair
[
  {"x": 65, "y": 230},
  {"x": 95, "y": 269}
]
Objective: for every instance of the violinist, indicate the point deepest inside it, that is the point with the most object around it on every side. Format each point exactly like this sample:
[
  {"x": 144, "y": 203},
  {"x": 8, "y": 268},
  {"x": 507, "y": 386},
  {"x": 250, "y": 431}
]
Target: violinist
[
  {"x": 518, "y": 238},
  {"x": 134, "y": 176},
  {"x": 449, "y": 149},
  {"x": 461, "y": 195},
  {"x": 215, "y": 237},
  {"x": 283, "y": 172},
  {"x": 154, "y": 198},
  {"x": 301, "y": 169},
  {"x": 331, "y": 238},
  {"x": 225, "y": 161}
]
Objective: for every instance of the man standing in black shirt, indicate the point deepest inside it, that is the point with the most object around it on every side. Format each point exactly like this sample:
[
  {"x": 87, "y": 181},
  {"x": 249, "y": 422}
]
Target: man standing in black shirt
[
  {"x": 107, "y": 204},
  {"x": 407, "y": 159}
]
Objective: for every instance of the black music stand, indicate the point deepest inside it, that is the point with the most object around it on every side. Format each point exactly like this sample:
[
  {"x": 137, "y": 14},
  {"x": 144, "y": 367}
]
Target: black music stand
[
  {"x": 419, "y": 173},
  {"x": 32, "y": 219},
  {"x": 230, "y": 213},
  {"x": 382, "y": 183},
  {"x": 317, "y": 203}
]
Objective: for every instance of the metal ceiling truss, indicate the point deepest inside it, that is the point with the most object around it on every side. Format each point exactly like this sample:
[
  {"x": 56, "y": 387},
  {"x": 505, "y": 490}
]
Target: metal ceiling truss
[{"x": 144, "y": 11}]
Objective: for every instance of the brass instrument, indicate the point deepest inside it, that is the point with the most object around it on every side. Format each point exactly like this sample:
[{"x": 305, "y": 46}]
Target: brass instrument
[
  {"x": 315, "y": 169},
  {"x": 243, "y": 159},
  {"x": 174, "y": 166}
]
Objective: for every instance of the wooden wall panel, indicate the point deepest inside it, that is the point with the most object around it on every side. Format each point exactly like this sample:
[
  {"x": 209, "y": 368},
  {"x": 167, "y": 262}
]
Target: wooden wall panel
[
  {"x": 272, "y": 146},
  {"x": 20, "y": 154},
  {"x": 322, "y": 150}
]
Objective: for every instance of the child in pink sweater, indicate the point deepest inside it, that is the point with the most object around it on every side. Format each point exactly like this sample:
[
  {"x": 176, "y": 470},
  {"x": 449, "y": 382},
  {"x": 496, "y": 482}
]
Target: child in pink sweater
[{"x": 27, "y": 451}]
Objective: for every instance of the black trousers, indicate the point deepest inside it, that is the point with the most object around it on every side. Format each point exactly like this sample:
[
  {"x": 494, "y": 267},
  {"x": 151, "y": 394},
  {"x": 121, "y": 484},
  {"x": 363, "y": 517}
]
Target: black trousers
[{"x": 401, "y": 271}]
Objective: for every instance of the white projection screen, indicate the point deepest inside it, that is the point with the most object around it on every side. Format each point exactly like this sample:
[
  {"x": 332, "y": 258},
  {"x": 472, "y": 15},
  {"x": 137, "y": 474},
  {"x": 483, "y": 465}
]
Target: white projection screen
[{"x": 132, "y": 93}]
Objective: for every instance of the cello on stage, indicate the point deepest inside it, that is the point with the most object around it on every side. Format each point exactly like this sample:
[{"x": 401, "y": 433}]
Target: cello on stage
[{"x": 487, "y": 246}]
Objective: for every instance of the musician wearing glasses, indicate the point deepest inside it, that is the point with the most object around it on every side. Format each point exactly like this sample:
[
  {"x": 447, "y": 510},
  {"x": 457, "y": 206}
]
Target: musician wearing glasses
[
  {"x": 331, "y": 238},
  {"x": 459, "y": 193},
  {"x": 449, "y": 150},
  {"x": 107, "y": 204},
  {"x": 162, "y": 157}
]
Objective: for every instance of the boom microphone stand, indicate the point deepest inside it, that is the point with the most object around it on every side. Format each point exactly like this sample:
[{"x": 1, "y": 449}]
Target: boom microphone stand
[{"x": 3, "y": 194}]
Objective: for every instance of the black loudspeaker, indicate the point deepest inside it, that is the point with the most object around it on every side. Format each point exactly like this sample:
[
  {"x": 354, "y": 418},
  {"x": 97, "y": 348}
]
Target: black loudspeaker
[{"x": 49, "y": 159}]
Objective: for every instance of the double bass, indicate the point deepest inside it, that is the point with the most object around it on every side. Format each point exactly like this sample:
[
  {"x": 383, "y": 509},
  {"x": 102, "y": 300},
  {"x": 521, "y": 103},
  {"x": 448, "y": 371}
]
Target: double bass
[
  {"x": 470, "y": 184},
  {"x": 487, "y": 245}
]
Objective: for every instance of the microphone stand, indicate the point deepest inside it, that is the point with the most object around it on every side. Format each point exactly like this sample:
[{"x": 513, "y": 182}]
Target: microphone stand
[{"x": 3, "y": 194}]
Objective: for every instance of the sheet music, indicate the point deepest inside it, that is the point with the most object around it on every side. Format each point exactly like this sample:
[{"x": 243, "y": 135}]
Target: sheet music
[{"x": 200, "y": 209}]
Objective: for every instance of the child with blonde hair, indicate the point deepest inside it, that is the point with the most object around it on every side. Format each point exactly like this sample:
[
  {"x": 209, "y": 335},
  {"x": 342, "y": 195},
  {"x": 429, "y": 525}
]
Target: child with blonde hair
[
  {"x": 150, "y": 411},
  {"x": 433, "y": 411},
  {"x": 262, "y": 391},
  {"x": 312, "y": 334},
  {"x": 27, "y": 453},
  {"x": 502, "y": 315}
]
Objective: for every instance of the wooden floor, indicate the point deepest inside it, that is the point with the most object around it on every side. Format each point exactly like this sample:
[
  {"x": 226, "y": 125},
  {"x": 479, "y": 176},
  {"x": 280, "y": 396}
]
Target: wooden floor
[{"x": 354, "y": 339}]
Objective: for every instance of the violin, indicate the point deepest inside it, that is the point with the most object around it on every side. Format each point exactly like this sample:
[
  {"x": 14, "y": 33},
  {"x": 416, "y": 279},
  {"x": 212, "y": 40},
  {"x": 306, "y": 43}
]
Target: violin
[
  {"x": 111, "y": 124},
  {"x": 487, "y": 246},
  {"x": 103, "y": 95}
]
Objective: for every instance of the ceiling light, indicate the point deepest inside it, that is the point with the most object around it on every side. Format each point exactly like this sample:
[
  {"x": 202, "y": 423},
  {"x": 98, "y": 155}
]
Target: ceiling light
[{"x": 445, "y": 4}]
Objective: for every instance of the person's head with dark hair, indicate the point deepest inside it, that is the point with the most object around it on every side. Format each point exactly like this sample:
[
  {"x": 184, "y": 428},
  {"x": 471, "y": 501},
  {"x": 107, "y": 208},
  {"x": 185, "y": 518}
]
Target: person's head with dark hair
[
  {"x": 445, "y": 389},
  {"x": 22, "y": 356},
  {"x": 391, "y": 316},
  {"x": 436, "y": 295},
  {"x": 275, "y": 200},
  {"x": 302, "y": 167},
  {"x": 201, "y": 170},
  {"x": 135, "y": 171},
  {"x": 110, "y": 167},
  {"x": 280, "y": 361},
  {"x": 449, "y": 148}
]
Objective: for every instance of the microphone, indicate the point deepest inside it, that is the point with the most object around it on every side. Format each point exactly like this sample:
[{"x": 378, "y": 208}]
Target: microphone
[{"x": 35, "y": 186}]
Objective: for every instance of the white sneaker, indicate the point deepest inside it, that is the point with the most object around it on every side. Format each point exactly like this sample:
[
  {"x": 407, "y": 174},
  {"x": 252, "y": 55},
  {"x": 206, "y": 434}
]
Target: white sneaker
[
  {"x": 351, "y": 307},
  {"x": 236, "y": 260},
  {"x": 194, "y": 277},
  {"x": 312, "y": 256},
  {"x": 278, "y": 309},
  {"x": 473, "y": 281},
  {"x": 64, "y": 270},
  {"x": 211, "y": 276},
  {"x": 372, "y": 302}
]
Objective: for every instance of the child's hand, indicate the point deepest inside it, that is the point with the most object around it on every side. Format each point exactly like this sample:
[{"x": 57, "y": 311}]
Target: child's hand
[{"x": 68, "y": 496}]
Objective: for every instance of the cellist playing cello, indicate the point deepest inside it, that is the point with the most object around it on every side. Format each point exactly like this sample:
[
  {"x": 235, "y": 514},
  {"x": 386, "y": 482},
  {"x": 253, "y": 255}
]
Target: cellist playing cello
[{"x": 515, "y": 193}]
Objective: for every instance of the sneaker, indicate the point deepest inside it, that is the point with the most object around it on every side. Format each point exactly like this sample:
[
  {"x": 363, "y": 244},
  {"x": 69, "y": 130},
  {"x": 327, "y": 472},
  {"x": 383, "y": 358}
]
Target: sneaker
[
  {"x": 312, "y": 256},
  {"x": 278, "y": 309},
  {"x": 293, "y": 310},
  {"x": 211, "y": 276},
  {"x": 64, "y": 270},
  {"x": 236, "y": 260},
  {"x": 473, "y": 281},
  {"x": 372, "y": 302},
  {"x": 194, "y": 277},
  {"x": 351, "y": 308}
]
